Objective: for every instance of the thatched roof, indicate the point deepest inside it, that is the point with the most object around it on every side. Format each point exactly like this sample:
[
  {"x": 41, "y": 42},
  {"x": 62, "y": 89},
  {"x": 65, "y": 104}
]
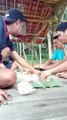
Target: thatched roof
[{"x": 39, "y": 14}]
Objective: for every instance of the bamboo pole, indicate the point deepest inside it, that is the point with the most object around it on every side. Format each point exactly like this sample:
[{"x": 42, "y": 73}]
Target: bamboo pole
[
  {"x": 40, "y": 54},
  {"x": 32, "y": 60},
  {"x": 49, "y": 44},
  {"x": 17, "y": 47},
  {"x": 6, "y": 4},
  {"x": 24, "y": 52},
  {"x": 20, "y": 48}
]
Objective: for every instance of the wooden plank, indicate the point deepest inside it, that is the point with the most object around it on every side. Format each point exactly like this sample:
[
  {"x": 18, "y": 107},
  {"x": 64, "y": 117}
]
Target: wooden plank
[
  {"x": 44, "y": 104},
  {"x": 40, "y": 94},
  {"x": 32, "y": 111},
  {"x": 57, "y": 118}
]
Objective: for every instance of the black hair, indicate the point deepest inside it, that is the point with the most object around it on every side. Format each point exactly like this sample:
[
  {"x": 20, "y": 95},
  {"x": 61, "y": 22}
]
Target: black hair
[{"x": 62, "y": 26}]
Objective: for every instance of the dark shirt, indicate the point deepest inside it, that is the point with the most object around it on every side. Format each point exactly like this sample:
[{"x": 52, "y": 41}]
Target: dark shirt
[
  {"x": 4, "y": 37},
  {"x": 8, "y": 62}
]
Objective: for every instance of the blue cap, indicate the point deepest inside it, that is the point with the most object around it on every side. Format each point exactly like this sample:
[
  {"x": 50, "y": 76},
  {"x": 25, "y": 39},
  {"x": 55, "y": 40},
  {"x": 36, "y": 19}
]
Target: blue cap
[
  {"x": 62, "y": 26},
  {"x": 13, "y": 15}
]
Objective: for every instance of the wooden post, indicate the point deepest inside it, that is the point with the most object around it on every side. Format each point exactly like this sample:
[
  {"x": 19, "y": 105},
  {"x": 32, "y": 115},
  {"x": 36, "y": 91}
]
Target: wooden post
[
  {"x": 49, "y": 44},
  {"x": 17, "y": 47},
  {"x": 32, "y": 61},
  {"x": 40, "y": 54},
  {"x": 6, "y": 4},
  {"x": 24, "y": 52},
  {"x": 20, "y": 48}
]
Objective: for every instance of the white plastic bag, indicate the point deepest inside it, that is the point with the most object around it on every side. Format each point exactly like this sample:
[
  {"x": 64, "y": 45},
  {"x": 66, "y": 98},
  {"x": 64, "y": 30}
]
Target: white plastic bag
[{"x": 25, "y": 88}]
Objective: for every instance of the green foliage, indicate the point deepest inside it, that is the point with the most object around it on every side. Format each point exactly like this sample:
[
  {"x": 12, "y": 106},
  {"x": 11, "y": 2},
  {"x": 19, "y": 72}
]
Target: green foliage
[
  {"x": 64, "y": 17},
  {"x": 36, "y": 57}
]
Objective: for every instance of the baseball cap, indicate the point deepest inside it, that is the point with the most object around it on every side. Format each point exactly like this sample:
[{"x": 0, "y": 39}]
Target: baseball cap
[
  {"x": 62, "y": 26},
  {"x": 13, "y": 15}
]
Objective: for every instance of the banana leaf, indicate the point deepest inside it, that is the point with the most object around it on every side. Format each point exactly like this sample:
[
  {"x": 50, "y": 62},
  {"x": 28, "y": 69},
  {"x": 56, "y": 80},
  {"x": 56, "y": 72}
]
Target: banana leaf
[{"x": 48, "y": 83}]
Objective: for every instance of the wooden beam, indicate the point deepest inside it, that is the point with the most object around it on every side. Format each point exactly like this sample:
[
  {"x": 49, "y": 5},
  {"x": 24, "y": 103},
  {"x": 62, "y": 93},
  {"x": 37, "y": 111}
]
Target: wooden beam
[
  {"x": 14, "y": 3},
  {"x": 35, "y": 16},
  {"x": 29, "y": 6},
  {"x": 49, "y": 44},
  {"x": 51, "y": 1},
  {"x": 59, "y": 7},
  {"x": 3, "y": 11},
  {"x": 42, "y": 21},
  {"x": 31, "y": 16},
  {"x": 41, "y": 30},
  {"x": 36, "y": 8},
  {"x": 59, "y": 11},
  {"x": 36, "y": 20},
  {"x": 6, "y": 4}
]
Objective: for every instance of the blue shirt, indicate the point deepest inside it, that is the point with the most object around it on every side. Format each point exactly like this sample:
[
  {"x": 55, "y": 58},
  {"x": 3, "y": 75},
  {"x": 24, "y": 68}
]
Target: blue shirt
[
  {"x": 58, "y": 54},
  {"x": 4, "y": 39}
]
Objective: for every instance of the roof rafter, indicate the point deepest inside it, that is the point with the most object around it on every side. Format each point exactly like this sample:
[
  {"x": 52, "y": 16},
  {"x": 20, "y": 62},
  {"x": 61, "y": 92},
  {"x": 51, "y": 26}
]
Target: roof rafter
[{"x": 50, "y": 1}]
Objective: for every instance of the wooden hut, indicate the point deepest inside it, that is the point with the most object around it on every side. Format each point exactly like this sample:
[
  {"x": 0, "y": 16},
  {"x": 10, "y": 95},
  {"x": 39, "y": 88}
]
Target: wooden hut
[{"x": 42, "y": 17}]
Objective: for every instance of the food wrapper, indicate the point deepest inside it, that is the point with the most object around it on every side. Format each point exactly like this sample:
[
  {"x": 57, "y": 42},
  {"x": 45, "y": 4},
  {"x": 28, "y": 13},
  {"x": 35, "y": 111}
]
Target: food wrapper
[{"x": 25, "y": 88}]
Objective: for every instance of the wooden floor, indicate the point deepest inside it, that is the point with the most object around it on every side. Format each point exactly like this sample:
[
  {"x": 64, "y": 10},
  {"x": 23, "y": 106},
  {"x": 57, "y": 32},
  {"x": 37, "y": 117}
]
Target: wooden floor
[{"x": 43, "y": 104}]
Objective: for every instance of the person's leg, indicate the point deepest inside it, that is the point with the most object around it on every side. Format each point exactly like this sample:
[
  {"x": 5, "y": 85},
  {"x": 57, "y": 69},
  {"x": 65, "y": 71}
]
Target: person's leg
[
  {"x": 7, "y": 78},
  {"x": 5, "y": 53},
  {"x": 62, "y": 75}
]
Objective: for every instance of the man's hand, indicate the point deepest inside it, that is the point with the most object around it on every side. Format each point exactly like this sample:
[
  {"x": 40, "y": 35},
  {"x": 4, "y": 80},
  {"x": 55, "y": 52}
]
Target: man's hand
[
  {"x": 47, "y": 67},
  {"x": 45, "y": 74},
  {"x": 37, "y": 72},
  {"x": 4, "y": 97},
  {"x": 34, "y": 71}
]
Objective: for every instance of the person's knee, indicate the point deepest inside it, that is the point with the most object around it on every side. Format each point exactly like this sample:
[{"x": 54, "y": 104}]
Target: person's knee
[
  {"x": 11, "y": 78},
  {"x": 7, "y": 78}
]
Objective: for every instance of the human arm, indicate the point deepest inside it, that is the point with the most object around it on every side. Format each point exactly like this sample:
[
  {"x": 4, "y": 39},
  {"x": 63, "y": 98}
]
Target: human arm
[
  {"x": 60, "y": 68},
  {"x": 48, "y": 62},
  {"x": 22, "y": 62},
  {"x": 55, "y": 64}
]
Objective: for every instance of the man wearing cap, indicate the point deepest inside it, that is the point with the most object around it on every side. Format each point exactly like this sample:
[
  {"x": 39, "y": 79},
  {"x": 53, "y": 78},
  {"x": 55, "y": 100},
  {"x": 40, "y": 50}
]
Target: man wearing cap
[
  {"x": 62, "y": 36},
  {"x": 11, "y": 24}
]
